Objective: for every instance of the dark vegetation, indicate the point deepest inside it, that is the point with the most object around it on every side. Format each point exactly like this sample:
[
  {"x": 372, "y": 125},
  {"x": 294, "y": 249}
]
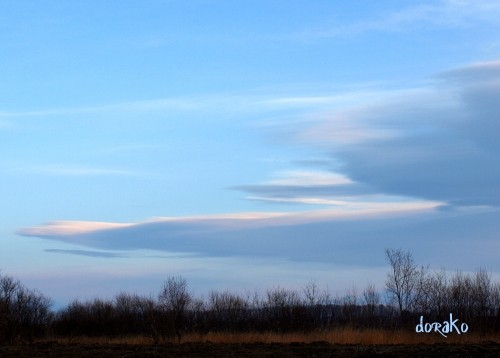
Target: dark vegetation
[
  {"x": 24, "y": 314},
  {"x": 411, "y": 291}
]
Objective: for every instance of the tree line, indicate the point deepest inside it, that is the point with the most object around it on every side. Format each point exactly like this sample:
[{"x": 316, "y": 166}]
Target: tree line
[{"x": 410, "y": 291}]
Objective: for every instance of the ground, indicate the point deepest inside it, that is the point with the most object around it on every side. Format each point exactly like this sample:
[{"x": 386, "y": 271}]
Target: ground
[{"x": 315, "y": 349}]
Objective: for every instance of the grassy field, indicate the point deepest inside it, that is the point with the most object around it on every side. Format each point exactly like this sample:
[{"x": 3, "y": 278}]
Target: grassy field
[{"x": 339, "y": 336}]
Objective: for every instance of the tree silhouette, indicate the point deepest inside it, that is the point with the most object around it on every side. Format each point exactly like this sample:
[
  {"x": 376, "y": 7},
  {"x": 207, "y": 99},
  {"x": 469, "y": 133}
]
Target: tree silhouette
[{"x": 405, "y": 282}]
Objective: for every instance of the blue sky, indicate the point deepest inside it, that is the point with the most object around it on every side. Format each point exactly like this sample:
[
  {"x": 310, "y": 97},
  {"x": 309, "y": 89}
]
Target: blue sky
[{"x": 246, "y": 144}]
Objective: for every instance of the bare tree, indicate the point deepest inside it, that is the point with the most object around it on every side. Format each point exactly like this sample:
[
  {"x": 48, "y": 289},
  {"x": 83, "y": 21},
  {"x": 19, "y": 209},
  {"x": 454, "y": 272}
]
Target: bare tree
[
  {"x": 460, "y": 295},
  {"x": 370, "y": 295},
  {"x": 435, "y": 300},
  {"x": 284, "y": 308},
  {"x": 311, "y": 293},
  {"x": 482, "y": 293},
  {"x": 174, "y": 300},
  {"x": 150, "y": 315},
  {"x": 406, "y": 281},
  {"x": 227, "y": 310},
  {"x": 371, "y": 299},
  {"x": 495, "y": 299}
]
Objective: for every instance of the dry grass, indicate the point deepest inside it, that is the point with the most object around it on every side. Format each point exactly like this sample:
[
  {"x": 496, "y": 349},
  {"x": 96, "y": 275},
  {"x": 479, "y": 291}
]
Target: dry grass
[
  {"x": 340, "y": 336},
  {"x": 337, "y": 336}
]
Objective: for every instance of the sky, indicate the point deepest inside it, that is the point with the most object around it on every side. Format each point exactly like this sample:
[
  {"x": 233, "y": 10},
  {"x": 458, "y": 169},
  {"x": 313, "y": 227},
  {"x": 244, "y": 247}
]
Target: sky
[{"x": 246, "y": 144}]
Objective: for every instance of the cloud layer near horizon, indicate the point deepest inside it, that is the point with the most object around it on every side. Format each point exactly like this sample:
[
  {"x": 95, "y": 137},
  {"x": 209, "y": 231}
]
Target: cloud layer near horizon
[{"x": 428, "y": 232}]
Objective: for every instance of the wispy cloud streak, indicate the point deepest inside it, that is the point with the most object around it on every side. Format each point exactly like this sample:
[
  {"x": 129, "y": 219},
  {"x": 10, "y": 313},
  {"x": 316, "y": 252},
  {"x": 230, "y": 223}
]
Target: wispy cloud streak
[
  {"x": 67, "y": 170},
  {"x": 87, "y": 253},
  {"x": 445, "y": 13}
]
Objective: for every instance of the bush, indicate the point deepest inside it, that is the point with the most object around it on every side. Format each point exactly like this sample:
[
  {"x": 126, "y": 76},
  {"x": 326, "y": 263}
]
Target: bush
[{"x": 24, "y": 314}]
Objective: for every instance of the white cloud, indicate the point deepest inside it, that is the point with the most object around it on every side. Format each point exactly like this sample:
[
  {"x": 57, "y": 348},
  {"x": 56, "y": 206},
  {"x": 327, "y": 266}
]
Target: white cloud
[
  {"x": 71, "y": 228},
  {"x": 327, "y": 189},
  {"x": 303, "y": 177},
  {"x": 355, "y": 204},
  {"x": 200, "y": 226}
]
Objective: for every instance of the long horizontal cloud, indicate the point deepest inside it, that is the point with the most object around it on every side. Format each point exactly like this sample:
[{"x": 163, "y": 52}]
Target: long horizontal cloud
[{"x": 445, "y": 236}]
